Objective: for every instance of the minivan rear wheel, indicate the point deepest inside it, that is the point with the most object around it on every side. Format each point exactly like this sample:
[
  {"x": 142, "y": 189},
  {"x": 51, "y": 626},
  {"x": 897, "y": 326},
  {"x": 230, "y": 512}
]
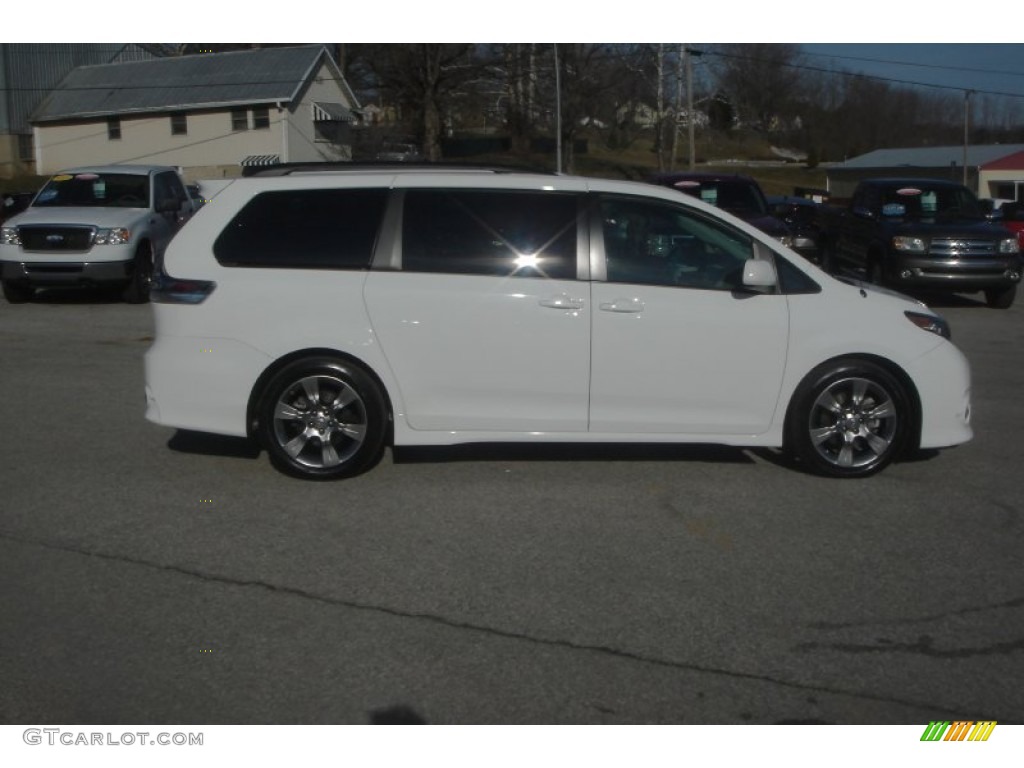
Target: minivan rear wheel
[
  {"x": 849, "y": 418},
  {"x": 322, "y": 418}
]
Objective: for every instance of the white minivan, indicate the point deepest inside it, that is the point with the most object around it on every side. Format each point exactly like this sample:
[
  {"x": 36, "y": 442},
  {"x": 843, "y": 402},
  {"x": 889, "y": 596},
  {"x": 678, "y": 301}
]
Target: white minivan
[{"x": 328, "y": 314}]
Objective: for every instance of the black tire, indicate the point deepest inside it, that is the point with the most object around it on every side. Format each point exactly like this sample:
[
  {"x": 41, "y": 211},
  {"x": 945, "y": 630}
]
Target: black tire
[
  {"x": 1001, "y": 298},
  {"x": 17, "y": 293},
  {"x": 827, "y": 259},
  {"x": 308, "y": 434},
  {"x": 849, "y": 418},
  {"x": 137, "y": 290},
  {"x": 876, "y": 274}
]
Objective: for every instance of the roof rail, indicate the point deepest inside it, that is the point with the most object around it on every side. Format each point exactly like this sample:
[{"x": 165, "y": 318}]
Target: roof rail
[{"x": 288, "y": 169}]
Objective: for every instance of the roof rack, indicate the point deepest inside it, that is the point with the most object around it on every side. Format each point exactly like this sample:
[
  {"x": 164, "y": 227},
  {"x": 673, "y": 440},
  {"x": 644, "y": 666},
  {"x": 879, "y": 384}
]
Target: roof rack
[{"x": 288, "y": 169}]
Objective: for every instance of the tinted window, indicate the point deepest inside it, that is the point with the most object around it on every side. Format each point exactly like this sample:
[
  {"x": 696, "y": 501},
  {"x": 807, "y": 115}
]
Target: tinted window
[
  {"x": 662, "y": 244},
  {"x": 522, "y": 234},
  {"x": 314, "y": 228}
]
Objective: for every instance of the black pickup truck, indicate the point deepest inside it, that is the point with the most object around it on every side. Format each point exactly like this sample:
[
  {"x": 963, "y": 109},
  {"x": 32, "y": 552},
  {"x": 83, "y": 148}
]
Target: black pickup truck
[{"x": 922, "y": 234}]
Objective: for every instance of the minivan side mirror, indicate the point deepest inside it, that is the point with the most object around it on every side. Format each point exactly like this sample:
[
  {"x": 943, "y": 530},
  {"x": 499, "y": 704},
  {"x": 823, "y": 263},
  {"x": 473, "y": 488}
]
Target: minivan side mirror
[{"x": 759, "y": 275}]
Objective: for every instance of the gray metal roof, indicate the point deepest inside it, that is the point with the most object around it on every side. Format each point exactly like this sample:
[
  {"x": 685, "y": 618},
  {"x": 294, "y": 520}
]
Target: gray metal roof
[
  {"x": 932, "y": 157},
  {"x": 263, "y": 75}
]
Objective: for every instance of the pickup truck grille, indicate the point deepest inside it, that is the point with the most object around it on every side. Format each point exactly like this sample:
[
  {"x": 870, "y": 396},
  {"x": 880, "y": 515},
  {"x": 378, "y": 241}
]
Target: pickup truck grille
[
  {"x": 962, "y": 248},
  {"x": 67, "y": 238}
]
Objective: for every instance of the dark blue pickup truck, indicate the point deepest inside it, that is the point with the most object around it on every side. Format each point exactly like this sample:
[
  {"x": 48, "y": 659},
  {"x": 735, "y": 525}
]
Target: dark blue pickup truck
[{"x": 922, "y": 234}]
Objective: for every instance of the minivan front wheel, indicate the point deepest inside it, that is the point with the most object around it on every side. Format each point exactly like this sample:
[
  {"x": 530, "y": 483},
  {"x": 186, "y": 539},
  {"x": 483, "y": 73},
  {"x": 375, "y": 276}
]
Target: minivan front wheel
[
  {"x": 850, "y": 418},
  {"x": 322, "y": 418}
]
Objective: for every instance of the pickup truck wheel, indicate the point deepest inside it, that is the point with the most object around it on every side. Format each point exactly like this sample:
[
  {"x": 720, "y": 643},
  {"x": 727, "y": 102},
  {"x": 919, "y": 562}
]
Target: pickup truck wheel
[
  {"x": 827, "y": 260},
  {"x": 876, "y": 275},
  {"x": 322, "y": 418},
  {"x": 849, "y": 418},
  {"x": 137, "y": 290},
  {"x": 1001, "y": 298},
  {"x": 17, "y": 293}
]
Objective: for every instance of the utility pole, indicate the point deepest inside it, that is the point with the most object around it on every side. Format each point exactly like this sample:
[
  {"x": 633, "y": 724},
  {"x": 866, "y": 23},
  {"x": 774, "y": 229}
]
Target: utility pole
[
  {"x": 967, "y": 120},
  {"x": 558, "y": 112},
  {"x": 690, "y": 53}
]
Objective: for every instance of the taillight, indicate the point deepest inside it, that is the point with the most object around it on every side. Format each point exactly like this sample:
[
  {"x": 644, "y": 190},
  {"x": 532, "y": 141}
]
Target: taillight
[{"x": 176, "y": 290}]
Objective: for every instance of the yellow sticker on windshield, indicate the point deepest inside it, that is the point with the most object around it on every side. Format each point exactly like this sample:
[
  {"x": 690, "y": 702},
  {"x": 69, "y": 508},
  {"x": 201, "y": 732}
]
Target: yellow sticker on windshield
[{"x": 63, "y": 177}]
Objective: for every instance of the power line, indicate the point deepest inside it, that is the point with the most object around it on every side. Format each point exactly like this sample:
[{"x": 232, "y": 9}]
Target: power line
[{"x": 880, "y": 78}]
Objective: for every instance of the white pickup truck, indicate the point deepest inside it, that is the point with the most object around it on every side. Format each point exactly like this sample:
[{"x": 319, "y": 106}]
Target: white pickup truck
[{"x": 102, "y": 226}]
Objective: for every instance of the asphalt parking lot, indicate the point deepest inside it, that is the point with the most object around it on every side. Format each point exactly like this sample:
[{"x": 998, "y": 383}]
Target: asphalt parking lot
[{"x": 151, "y": 576}]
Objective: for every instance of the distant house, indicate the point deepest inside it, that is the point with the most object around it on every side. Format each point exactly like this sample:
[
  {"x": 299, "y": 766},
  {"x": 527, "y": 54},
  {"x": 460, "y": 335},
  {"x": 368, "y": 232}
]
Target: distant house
[
  {"x": 28, "y": 72},
  {"x": 993, "y": 170},
  {"x": 210, "y": 114}
]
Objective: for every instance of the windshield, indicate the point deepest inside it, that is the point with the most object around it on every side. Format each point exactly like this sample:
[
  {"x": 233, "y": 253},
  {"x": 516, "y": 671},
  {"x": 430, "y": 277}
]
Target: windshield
[
  {"x": 122, "y": 190},
  {"x": 735, "y": 197},
  {"x": 923, "y": 202}
]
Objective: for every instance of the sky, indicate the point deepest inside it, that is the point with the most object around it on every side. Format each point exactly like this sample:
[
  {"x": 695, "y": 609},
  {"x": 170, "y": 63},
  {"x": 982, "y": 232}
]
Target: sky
[
  {"x": 983, "y": 67},
  {"x": 978, "y": 51}
]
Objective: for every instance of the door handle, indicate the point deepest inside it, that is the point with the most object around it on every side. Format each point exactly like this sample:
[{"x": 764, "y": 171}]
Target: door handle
[
  {"x": 562, "y": 301},
  {"x": 623, "y": 305}
]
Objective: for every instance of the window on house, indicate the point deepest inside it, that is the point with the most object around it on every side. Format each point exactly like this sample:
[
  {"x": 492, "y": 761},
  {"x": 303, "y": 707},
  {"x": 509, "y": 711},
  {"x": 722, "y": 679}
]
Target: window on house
[
  {"x": 261, "y": 117},
  {"x": 239, "y": 120},
  {"x": 113, "y": 128},
  {"x": 179, "y": 124},
  {"x": 26, "y": 147}
]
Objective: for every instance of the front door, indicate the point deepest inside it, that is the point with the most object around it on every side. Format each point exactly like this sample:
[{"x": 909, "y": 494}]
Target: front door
[{"x": 678, "y": 347}]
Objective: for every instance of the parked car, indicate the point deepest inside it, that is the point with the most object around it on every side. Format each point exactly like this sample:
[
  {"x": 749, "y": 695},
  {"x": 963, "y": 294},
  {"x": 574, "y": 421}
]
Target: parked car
[
  {"x": 910, "y": 233},
  {"x": 102, "y": 225},
  {"x": 1012, "y": 217},
  {"x": 14, "y": 203},
  {"x": 738, "y": 194},
  {"x": 801, "y": 216},
  {"x": 400, "y": 153},
  {"x": 326, "y": 314}
]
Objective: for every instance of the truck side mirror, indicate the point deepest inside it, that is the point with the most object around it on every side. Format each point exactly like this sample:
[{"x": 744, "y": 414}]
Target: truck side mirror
[{"x": 167, "y": 205}]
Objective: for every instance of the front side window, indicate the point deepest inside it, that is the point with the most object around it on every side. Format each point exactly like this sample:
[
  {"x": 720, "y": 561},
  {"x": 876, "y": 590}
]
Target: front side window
[
  {"x": 655, "y": 243},
  {"x": 304, "y": 229},
  {"x": 476, "y": 232}
]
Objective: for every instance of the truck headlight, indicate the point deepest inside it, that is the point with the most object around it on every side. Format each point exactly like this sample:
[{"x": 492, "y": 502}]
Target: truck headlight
[
  {"x": 115, "y": 236},
  {"x": 909, "y": 244},
  {"x": 9, "y": 236},
  {"x": 1009, "y": 245}
]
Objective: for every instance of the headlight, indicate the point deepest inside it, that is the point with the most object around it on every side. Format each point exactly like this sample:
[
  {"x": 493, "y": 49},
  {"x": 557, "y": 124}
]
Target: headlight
[
  {"x": 931, "y": 323},
  {"x": 909, "y": 244},
  {"x": 1009, "y": 245},
  {"x": 115, "y": 236},
  {"x": 9, "y": 236}
]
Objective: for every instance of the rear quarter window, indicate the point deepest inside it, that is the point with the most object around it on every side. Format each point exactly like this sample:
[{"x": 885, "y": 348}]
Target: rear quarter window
[{"x": 304, "y": 229}]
